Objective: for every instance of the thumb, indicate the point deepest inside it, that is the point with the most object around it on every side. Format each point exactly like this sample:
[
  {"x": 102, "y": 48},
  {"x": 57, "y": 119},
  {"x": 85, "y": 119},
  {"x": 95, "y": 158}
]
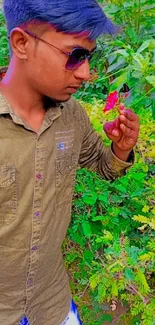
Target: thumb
[{"x": 112, "y": 128}]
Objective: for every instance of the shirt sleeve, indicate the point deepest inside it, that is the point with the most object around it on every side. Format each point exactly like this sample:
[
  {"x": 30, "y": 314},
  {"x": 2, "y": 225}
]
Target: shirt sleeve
[{"x": 95, "y": 156}]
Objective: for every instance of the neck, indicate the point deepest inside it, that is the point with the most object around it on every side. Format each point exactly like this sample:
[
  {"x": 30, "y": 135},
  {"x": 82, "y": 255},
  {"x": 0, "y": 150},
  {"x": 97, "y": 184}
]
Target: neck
[{"x": 22, "y": 98}]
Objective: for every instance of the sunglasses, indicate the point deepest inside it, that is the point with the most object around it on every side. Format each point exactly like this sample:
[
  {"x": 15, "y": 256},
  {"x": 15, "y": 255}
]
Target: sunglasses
[{"x": 75, "y": 59}]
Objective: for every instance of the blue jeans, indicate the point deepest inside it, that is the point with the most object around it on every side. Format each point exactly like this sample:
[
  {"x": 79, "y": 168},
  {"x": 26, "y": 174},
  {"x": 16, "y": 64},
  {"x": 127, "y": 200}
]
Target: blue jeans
[{"x": 71, "y": 319}]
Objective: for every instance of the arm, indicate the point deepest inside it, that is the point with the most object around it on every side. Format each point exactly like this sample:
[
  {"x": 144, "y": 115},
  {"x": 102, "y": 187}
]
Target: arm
[{"x": 96, "y": 157}]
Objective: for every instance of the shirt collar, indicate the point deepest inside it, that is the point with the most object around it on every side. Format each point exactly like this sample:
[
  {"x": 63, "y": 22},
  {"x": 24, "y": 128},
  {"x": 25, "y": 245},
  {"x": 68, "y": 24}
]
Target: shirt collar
[
  {"x": 5, "y": 108},
  {"x": 53, "y": 111}
]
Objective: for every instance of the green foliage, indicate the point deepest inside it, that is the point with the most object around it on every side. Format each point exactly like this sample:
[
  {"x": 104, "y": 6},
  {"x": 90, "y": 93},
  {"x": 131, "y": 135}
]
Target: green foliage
[
  {"x": 3, "y": 42},
  {"x": 137, "y": 17},
  {"x": 113, "y": 228},
  {"x": 126, "y": 62}
]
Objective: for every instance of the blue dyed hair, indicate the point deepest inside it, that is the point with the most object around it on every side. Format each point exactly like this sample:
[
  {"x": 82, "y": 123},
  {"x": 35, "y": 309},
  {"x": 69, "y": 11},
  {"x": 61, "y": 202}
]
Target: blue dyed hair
[{"x": 68, "y": 16}]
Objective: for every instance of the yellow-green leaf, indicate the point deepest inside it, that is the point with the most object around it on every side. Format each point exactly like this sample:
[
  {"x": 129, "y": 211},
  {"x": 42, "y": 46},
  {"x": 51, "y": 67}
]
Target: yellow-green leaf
[
  {"x": 141, "y": 219},
  {"x": 146, "y": 257},
  {"x": 94, "y": 280},
  {"x": 146, "y": 209},
  {"x": 141, "y": 279},
  {"x": 114, "y": 289}
]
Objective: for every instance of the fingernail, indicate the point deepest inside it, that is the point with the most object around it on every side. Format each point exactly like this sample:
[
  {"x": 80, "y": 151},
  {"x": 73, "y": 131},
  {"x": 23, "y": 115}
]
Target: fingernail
[{"x": 115, "y": 133}]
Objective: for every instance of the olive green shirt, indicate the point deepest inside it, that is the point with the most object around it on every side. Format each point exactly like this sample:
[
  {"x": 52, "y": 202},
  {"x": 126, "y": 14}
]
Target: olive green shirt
[{"x": 37, "y": 174}]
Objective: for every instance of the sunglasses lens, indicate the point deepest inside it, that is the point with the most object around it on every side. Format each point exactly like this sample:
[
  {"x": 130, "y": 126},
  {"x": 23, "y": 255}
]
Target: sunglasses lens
[{"x": 76, "y": 59}]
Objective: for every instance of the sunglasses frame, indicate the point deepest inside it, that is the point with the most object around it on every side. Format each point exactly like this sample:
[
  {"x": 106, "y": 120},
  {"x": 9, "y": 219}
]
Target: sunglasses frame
[{"x": 87, "y": 54}]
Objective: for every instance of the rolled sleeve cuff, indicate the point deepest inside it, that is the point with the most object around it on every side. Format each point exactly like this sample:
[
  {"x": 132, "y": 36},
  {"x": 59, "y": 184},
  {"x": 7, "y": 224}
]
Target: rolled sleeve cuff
[{"x": 120, "y": 166}]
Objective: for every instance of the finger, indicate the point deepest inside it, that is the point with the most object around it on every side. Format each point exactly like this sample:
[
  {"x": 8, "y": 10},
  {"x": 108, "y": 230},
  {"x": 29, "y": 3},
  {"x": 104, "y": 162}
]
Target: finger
[
  {"x": 112, "y": 129},
  {"x": 110, "y": 126},
  {"x": 134, "y": 125},
  {"x": 128, "y": 131},
  {"x": 130, "y": 115},
  {"x": 112, "y": 132},
  {"x": 115, "y": 133}
]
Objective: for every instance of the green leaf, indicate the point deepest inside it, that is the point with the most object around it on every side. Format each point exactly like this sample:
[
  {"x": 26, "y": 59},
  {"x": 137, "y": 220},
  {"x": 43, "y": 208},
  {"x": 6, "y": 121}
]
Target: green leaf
[
  {"x": 116, "y": 198},
  {"x": 151, "y": 80},
  {"x": 119, "y": 82},
  {"x": 114, "y": 289},
  {"x": 86, "y": 229},
  {"x": 78, "y": 239},
  {"x": 121, "y": 188},
  {"x": 147, "y": 257},
  {"x": 90, "y": 199},
  {"x": 94, "y": 280},
  {"x": 122, "y": 52},
  {"x": 108, "y": 235},
  {"x": 98, "y": 218},
  {"x": 146, "y": 44},
  {"x": 88, "y": 256},
  {"x": 142, "y": 219},
  {"x": 139, "y": 176},
  {"x": 117, "y": 65},
  {"x": 141, "y": 279},
  {"x": 129, "y": 274},
  {"x": 104, "y": 197},
  {"x": 146, "y": 209},
  {"x": 101, "y": 293}
]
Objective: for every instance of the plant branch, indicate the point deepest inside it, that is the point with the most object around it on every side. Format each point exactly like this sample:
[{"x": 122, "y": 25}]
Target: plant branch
[{"x": 132, "y": 289}]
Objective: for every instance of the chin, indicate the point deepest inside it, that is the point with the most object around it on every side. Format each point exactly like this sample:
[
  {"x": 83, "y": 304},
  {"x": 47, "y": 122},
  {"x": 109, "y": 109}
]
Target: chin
[
  {"x": 67, "y": 98},
  {"x": 64, "y": 98},
  {"x": 55, "y": 99}
]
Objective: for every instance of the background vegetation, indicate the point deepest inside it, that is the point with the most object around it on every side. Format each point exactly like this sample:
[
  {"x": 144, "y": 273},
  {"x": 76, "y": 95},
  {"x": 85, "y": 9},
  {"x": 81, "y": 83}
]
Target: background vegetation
[{"x": 110, "y": 249}]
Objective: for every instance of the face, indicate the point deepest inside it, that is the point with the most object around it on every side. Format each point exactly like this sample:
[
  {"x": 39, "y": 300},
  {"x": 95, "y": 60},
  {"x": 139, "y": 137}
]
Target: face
[{"x": 45, "y": 66}]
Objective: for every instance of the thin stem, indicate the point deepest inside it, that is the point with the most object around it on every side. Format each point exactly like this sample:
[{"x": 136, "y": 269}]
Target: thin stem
[
  {"x": 132, "y": 289},
  {"x": 112, "y": 74},
  {"x": 83, "y": 293}
]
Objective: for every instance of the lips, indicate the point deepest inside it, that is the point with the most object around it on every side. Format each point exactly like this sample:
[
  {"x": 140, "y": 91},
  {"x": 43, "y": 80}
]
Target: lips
[
  {"x": 76, "y": 87},
  {"x": 73, "y": 89}
]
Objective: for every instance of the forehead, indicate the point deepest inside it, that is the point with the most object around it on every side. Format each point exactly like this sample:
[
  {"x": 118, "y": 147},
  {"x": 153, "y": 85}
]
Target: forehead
[
  {"x": 71, "y": 40},
  {"x": 84, "y": 41}
]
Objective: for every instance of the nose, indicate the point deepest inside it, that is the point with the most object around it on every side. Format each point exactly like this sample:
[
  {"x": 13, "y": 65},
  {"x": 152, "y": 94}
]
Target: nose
[{"x": 83, "y": 72}]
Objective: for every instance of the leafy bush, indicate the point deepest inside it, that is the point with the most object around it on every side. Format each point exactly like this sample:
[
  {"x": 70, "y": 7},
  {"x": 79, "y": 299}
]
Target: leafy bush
[
  {"x": 126, "y": 62},
  {"x": 111, "y": 250},
  {"x": 4, "y": 56}
]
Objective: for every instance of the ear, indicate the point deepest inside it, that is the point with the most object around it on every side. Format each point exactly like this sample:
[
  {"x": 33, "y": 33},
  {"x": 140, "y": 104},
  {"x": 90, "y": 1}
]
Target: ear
[{"x": 19, "y": 41}]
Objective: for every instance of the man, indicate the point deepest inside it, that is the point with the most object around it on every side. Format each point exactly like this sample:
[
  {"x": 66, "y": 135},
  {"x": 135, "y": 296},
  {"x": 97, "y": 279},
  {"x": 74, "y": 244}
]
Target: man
[{"x": 45, "y": 135}]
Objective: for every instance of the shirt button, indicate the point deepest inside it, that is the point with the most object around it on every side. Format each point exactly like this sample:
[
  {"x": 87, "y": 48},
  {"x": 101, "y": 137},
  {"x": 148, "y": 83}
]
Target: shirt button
[
  {"x": 30, "y": 282},
  {"x": 35, "y": 248},
  {"x": 39, "y": 176},
  {"x": 37, "y": 214}
]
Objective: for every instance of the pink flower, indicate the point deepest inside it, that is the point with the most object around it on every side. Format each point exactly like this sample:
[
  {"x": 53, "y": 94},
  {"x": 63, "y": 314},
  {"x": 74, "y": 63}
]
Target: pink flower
[
  {"x": 113, "y": 97},
  {"x": 108, "y": 107},
  {"x": 112, "y": 100}
]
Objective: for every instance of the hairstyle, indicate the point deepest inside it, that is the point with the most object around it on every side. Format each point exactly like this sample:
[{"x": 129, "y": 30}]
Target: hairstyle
[{"x": 68, "y": 16}]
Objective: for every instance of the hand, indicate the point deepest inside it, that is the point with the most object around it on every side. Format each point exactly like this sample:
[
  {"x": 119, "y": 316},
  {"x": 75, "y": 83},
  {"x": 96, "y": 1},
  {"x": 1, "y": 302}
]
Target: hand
[{"x": 123, "y": 131}]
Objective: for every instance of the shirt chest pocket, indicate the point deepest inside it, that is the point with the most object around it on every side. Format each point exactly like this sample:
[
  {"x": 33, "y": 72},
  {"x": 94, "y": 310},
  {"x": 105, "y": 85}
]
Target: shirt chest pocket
[
  {"x": 8, "y": 194},
  {"x": 66, "y": 166}
]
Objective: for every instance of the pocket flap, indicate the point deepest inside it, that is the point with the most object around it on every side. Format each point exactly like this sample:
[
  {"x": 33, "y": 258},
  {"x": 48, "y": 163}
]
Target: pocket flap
[
  {"x": 66, "y": 163},
  {"x": 7, "y": 175}
]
